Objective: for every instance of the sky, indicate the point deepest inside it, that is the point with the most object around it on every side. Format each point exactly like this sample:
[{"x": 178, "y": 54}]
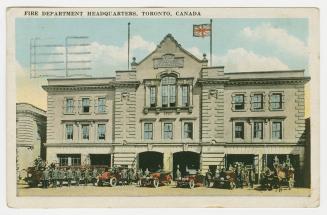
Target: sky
[{"x": 238, "y": 44}]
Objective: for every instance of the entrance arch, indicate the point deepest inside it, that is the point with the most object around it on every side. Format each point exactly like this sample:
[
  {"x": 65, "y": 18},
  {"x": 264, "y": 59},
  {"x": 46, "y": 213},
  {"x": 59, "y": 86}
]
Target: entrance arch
[
  {"x": 151, "y": 160},
  {"x": 186, "y": 161}
]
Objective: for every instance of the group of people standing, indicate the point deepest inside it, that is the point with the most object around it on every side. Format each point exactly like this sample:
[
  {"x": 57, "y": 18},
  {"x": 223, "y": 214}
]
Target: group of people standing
[{"x": 56, "y": 176}]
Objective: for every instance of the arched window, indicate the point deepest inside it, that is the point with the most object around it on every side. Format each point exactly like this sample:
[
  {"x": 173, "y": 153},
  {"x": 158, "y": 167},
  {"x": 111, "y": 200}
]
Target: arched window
[{"x": 168, "y": 95}]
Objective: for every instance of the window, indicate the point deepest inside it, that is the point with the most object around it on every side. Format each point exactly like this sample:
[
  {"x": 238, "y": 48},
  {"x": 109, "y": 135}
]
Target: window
[
  {"x": 85, "y": 105},
  {"x": 148, "y": 131},
  {"x": 69, "y": 132},
  {"x": 153, "y": 96},
  {"x": 101, "y": 105},
  {"x": 188, "y": 130},
  {"x": 63, "y": 160},
  {"x": 258, "y": 130},
  {"x": 277, "y": 130},
  {"x": 101, "y": 131},
  {"x": 257, "y": 102},
  {"x": 69, "y": 105},
  {"x": 76, "y": 160},
  {"x": 185, "y": 96},
  {"x": 276, "y": 101},
  {"x": 168, "y": 130},
  {"x": 69, "y": 159},
  {"x": 239, "y": 130},
  {"x": 239, "y": 102},
  {"x": 169, "y": 92},
  {"x": 85, "y": 132}
]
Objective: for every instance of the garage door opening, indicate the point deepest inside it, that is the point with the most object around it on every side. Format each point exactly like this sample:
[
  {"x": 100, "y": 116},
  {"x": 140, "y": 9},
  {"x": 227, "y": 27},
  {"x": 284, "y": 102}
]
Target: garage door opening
[
  {"x": 187, "y": 161},
  {"x": 151, "y": 160},
  {"x": 246, "y": 160},
  {"x": 100, "y": 159}
]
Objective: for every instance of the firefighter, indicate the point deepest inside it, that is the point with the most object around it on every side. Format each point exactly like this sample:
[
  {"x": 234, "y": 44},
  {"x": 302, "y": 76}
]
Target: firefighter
[
  {"x": 78, "y": 175},
  {"x": 62, "y": 175},
  {"x": 55, "y": 177},
  {"x": 69, "y": 176},
  {"x": 94, "y": 176},
  {"x": 46, "y": 178}
]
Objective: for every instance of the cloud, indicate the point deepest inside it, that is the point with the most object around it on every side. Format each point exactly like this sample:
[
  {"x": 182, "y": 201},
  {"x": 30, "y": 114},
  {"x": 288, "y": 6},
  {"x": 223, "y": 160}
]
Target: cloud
[
  {"x": 29, "y": 90},
  {"x": 242, "y": 60},
  {"x": 278, "y": 37}
]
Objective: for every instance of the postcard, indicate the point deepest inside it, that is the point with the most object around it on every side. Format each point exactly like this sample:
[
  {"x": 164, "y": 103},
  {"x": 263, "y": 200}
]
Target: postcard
[{"x": 162, "y": 107}]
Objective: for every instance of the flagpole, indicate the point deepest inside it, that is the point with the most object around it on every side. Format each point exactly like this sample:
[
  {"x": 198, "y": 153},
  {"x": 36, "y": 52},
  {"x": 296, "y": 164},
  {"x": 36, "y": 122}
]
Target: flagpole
[
  {"x": 129, "y": 24},
  {"x": 210, "y": 42}
]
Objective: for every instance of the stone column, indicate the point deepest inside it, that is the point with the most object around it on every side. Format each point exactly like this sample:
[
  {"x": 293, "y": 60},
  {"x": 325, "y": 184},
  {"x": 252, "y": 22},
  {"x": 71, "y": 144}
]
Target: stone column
[{"x": 167, "y": 157}]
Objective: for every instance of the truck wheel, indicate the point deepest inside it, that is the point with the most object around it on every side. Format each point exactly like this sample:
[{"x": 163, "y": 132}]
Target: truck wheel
[
  {"x": 156, "y": 183},
  {"x": 113, "y": 182},
  {"x": 191, "y": 184}
]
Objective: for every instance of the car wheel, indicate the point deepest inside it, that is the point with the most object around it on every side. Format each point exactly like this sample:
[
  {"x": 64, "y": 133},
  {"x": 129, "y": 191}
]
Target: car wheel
[
  {"x": 113, "y": 182},
  {"x": 156, "y": 183},
  {"x": 191, "y": 183}
]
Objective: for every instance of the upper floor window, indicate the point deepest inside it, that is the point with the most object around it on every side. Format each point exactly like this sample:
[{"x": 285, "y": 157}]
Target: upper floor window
[
  {"x": 257, "y": 102},
  {"x": 85, "y": 105},
  {"x": 86, "y": 132},
  {"x": 185, "y": 96},
  {"x": 239, "y": 102},
  {"x": 168, "y": 130},
  {"x": 69, "y": 132},
  {"x": 101, "y": 131},
  {"x": 101, "y": 105},
  {"x": 148, "y": 131},
  {"x": 69, "y": 105},
  {"x": 258, "y": 130},
  {"x": 153, "y": 102},
  {"x": 239, "y": 130},
  {"x": 276, "y": 130},
  {"x": 188, "y": 130},
  {"x": 276, "y": 101},
  {"x": 168, "y": 85}
]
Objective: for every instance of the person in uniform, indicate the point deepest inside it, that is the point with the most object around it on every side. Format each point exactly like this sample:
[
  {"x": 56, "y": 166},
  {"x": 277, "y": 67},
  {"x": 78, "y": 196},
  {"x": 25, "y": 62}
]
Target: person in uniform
[
  {"x": 55, "y": 177},
  {"x": 288, "y": 162},
  {"x": 276, "y": 161},
  {"x": 251, "y": 177},
  {"x": 230, "y": 168},
  {"x": 94, "y": 176},
  {"x": 86, "y": 176},
  {"x": 146, "y": 172},
  {"x": 69, "y": 176},
  {"x": 45, "y": 177},
  {"x": 62, "y": 175},
  {"x": 78, "y": 175},
  {"x": 178, "y": 173}
]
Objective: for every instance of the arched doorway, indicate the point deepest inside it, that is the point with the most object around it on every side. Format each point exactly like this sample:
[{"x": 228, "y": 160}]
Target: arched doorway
[
  {"x": 186, "y": 161},
  {"x": 151, "y": 160}
]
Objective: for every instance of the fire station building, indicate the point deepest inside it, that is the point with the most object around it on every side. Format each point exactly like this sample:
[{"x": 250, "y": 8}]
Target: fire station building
[{"x": 172, "y": 109}]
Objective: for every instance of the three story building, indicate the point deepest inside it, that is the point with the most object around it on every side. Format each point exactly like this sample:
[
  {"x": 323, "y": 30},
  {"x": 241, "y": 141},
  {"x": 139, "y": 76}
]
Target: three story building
[{"x": 172, "y": 109}]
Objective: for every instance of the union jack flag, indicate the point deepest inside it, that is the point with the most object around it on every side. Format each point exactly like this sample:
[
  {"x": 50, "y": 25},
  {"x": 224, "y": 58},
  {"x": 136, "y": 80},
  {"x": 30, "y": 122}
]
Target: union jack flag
[{"x": 203, "y": 30}]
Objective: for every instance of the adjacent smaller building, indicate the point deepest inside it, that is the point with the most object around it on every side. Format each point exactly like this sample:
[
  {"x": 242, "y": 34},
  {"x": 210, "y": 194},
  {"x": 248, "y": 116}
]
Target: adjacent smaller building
[{"x": 30, "y": 134}]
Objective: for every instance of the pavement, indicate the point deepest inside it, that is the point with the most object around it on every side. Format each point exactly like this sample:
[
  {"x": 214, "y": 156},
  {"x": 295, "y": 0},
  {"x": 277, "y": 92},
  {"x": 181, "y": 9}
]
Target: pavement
[{"x": 169, "y": 190}]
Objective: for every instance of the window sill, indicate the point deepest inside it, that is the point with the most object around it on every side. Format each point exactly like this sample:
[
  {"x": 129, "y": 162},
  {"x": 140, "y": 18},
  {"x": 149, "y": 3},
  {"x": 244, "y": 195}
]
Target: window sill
[
  {"x": 67, "y": 113},
  {"x": 100, "y": 113},
  {"x": 257, "y": 110},
  {"x": 87, "y": 113},
  {"x": 276, "y": 109},
  {"x": 239, "y": 110},
  {"x": 168, "y": 109}
]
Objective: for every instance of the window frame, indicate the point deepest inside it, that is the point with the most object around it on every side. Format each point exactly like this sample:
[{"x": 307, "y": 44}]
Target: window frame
[
  {"x": 233, "y": 96},
  {"x": 66, "y": 132},
  {"x": 104, "y": 106},
  {"x": 153, "y": 96},
  {"x": 82, "y": 131},
  {"x": 70, "y": 106},
  {"x": 98, "y": 131},
  {"x": 168, "y": 91},
  {"x": 253, "y": 95},
  {"x": 282, "y": 100},
  {"x": 243, "y": 131},
  {"x": 89, "y": 105},
  {"x": 192, "y": 130},
  {"x": 147, "y": 131},
  {"x": 254, "y": 137},
  {"x": 281, "y": 130},
  {"x": 187, "y": 87},
  {"x": 164, "y": 131}
]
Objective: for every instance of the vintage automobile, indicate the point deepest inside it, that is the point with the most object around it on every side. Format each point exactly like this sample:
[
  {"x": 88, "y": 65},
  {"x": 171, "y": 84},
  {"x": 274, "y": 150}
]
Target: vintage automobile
[
  {"x": 225, "y": 179},
  {"x": 191, "y": 179},
  {"x": 34, "y": 176},
  {"x": 155, "y": 179},
  {"x": 113, "y": 177}
]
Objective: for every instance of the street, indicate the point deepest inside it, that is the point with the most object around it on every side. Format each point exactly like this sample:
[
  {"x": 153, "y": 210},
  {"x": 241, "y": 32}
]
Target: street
[{"x": 171, "y": 190}]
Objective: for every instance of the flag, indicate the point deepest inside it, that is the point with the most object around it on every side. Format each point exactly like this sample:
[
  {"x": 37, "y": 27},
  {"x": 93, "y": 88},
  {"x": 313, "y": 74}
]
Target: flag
[{"x": 203, "y": 30}]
